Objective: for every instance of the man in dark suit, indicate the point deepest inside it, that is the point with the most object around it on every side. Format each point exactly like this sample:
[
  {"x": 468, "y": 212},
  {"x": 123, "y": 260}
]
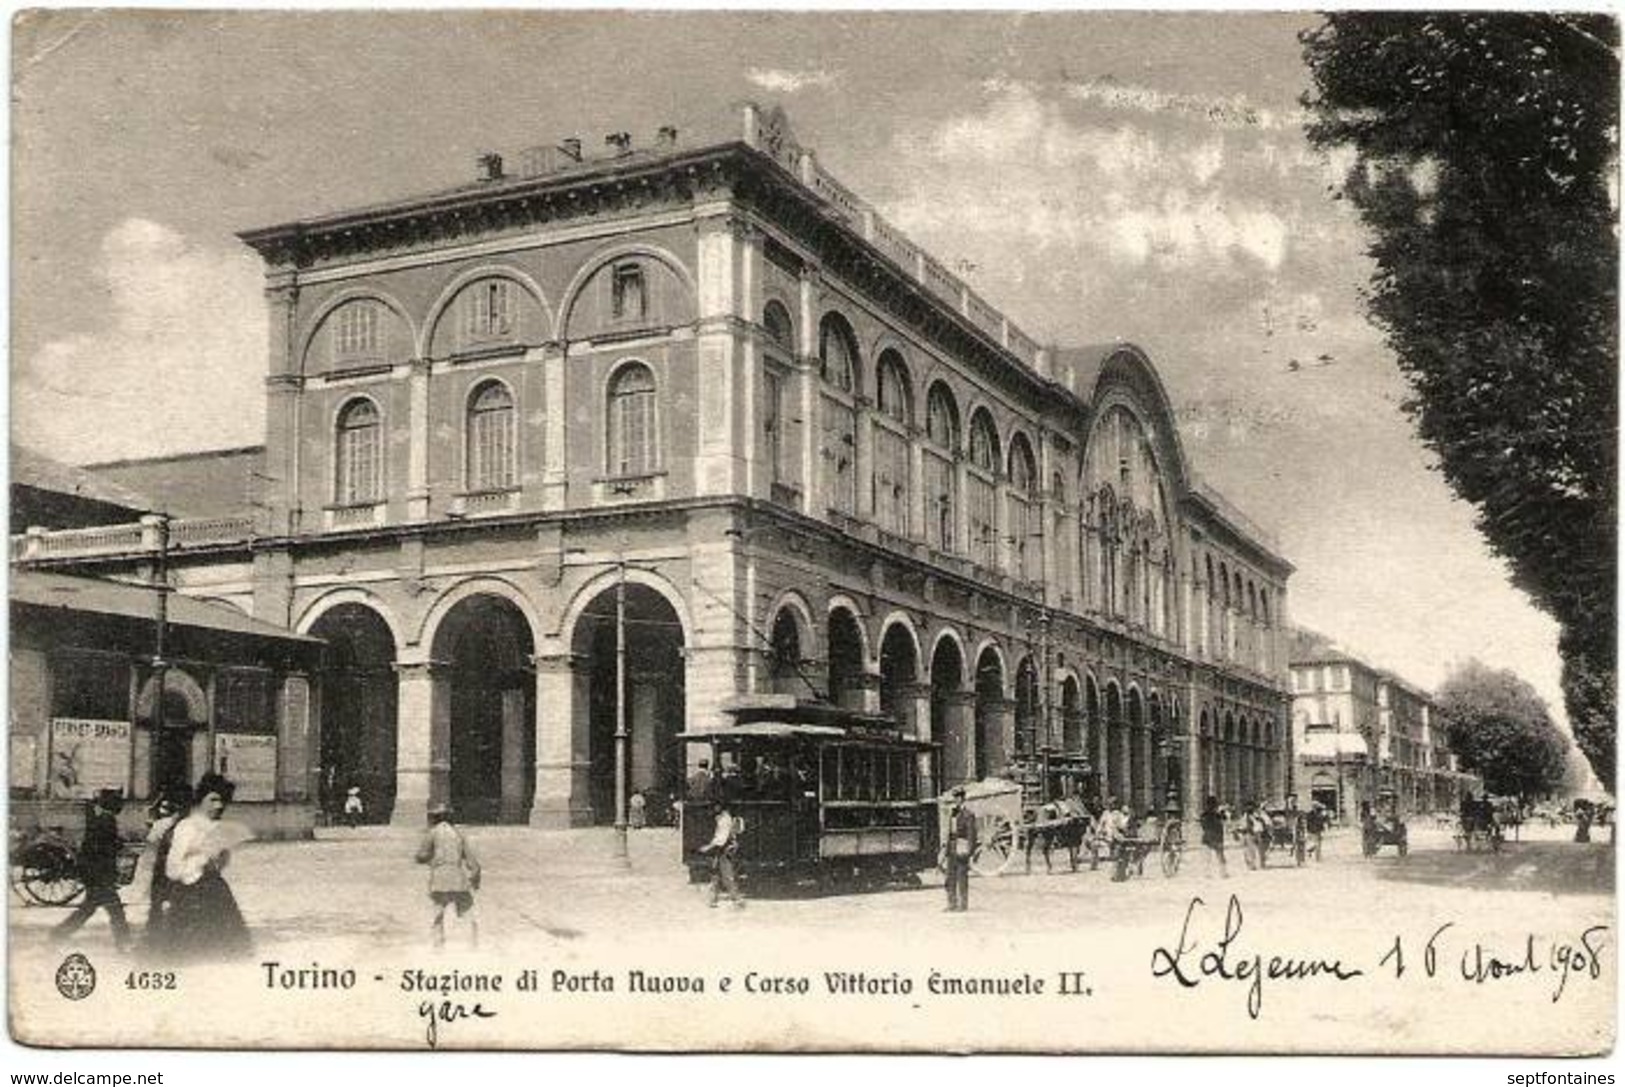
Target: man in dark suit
[
  {"x": 98, "y": 868},
  {"x": 961, "y": 846}
]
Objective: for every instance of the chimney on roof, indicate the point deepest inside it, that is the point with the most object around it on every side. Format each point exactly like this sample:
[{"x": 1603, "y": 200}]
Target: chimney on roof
[
  {"x": 490, "y": 165},
  {"x": 621, "y": 142},
  {"x": 667, "y": 137},
  {"x": 571, "y": 148}
]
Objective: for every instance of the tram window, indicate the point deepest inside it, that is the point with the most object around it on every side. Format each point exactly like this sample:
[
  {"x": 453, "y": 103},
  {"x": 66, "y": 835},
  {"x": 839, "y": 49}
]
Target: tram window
[{"x": 729, "y": 772}]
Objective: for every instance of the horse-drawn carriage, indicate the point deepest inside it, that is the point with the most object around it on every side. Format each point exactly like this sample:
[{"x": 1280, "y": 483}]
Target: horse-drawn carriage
[
  {"x": 1381, "y": 824},
  {"x": 1478, "y": 827},
  {"x": 1278, "y": 830}
]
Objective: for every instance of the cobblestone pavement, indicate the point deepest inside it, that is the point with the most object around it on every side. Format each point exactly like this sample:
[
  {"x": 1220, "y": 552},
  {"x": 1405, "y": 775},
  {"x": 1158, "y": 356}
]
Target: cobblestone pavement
[{"x": 562, "y": 903}]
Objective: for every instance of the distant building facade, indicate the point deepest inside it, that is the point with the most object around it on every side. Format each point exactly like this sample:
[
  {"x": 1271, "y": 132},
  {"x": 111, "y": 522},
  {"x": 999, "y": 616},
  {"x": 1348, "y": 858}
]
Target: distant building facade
[
  {"x": 703, "y": 396},
  {"x": 1358, "y": 729}
]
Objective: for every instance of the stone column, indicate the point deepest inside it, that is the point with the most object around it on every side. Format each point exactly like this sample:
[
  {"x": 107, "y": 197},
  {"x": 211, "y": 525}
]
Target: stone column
[
  {"x": 423, "y": 740},
  {"x": 719, "y": 392},
  {"x": 1105, "y": 773},
  {"x": 554, "y": 462},
  {"x": 813, "y": 499},
  {"x": 513, "y": 808},
  {"x": 958, "y": 738},
  {"x": 1000, "y": 714},
  {"x": 864, "y": 693},
  {"x": 562, "y": 797},
  {"x": 417, "y": 461}
]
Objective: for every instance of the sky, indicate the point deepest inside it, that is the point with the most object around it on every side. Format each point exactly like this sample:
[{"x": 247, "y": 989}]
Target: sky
[{"x": 1094, "y": 176}]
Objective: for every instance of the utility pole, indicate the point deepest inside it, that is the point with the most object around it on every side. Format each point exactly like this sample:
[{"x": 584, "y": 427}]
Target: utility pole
[{"x": 160, "y": 665}]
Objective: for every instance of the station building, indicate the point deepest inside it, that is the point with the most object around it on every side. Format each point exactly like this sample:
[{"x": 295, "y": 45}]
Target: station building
[{"x": 699, "y": 396}]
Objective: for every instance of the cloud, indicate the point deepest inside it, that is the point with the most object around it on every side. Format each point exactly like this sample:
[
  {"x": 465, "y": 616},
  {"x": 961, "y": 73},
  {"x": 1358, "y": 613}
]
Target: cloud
[
  {"x": 1145, "y": 199},
  {"x": 1233, "y": 112},
  {"x": 781, "y": 81},
  {"x": 176, "y": 361}
]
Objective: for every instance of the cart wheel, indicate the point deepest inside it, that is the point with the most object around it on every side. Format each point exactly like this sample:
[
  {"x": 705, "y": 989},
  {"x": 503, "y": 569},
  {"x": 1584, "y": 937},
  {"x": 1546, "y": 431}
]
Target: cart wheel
[
  {"x": 1172, "y": 841},
  {"x": 994, "y": 855},
  {"x": 47, "y": 874}
]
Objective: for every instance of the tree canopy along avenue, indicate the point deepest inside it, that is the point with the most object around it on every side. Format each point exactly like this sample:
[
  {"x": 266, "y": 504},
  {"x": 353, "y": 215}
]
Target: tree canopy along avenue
[
  {"x": 1501, "y": 729},
  {"x": 1484, "y": 151}
]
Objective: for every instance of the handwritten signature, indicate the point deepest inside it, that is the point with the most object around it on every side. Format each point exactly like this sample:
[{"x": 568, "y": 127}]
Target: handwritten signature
[
  {"x": 1444, "y": 954},
  {"x": 435, "y": 1012},
  {"x": 1188, "y": 964}
]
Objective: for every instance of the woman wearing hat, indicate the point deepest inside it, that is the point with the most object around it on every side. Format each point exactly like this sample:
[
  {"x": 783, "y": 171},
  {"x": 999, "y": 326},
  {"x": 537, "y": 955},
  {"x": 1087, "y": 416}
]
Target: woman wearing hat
[
  {"x": 203, "y": 920},
  {"x": 454, "y": 873}
]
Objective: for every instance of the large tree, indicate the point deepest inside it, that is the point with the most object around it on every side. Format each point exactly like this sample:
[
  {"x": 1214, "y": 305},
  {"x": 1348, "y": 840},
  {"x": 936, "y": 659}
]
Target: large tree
[
  {"x": 1484, "y": 153},
  {"x": 1502, "y": 730}
]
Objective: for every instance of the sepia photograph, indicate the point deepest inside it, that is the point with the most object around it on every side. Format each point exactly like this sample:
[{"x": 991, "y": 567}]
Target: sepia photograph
[{"x": 853, "y": 532}]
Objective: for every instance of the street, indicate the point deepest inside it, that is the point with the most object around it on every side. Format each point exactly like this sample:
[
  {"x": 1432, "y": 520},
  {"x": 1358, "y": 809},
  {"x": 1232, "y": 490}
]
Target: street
[{"x": 1121, "y": 964}]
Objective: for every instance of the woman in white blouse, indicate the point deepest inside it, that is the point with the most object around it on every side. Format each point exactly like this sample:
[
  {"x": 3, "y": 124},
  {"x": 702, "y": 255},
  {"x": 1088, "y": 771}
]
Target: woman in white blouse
[{"x": 203, "y": 920}]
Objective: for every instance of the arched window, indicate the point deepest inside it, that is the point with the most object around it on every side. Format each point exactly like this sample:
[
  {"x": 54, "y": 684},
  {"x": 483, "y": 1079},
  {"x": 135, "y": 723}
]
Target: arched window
[
  {"x": 490, "y": 432},
  {"x": 780, "y": 332},
  {"x": 982, "y": 500},
  {"x": 359, "y": 454},
  {"x": 1025, "y": 528},
  {"x": 890, "y": 478},
  {"x": 838, "y": 355},
  {"x": 984, "y": 443},
  {"x": 838, "y": 417},
  {"x": 634, "y": 425},
  {"x": 941, "y": 479},
  {"x": 892, "y": 389}
]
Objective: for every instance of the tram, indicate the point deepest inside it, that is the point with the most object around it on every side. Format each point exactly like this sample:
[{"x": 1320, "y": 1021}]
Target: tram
[{"x": 825, "y": 795}]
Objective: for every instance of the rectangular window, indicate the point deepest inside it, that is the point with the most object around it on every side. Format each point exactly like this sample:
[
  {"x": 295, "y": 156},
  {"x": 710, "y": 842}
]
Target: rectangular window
[
  {"x": 891, "y": 481},
  {"x": 492, "y": 467},
  {"x": 1023, "y": 546},
  {"x": 628, "y": 299},
  {"x": 634, "y": 446},
  {"x": 488, "y": 310},
  {"x": 839, "y": 456},
  {"x": 245, "y": 701},
  {"x": 940, "y": 511},
  {"x": 91, "y": 686},
  {"x": 982, "y": 508},
  {"x": 355, "y": 333},
  {"x": 358, "y": 466},
  {"x": 773, "y": 425}
]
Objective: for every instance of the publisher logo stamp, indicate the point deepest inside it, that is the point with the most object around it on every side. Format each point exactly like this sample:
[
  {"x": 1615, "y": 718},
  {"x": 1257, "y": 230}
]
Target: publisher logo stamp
[{"x": 76, "y": 978}]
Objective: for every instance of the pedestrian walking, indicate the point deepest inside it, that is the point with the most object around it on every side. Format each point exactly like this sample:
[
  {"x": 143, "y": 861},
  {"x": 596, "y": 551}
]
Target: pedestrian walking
[
  {"x": 98, "y": 868},
  {"x": 150, "y": 876},
  {"x": 354, "y": 809},
  {"x": 1213, "y": 836},
  {"x": 723, "y": 849},
  {"x": 454, "y": 873},
  {"x": 202, "y": 919},
  {"x": 637, "y": 812},
  {"x": 961, "y": 846}
]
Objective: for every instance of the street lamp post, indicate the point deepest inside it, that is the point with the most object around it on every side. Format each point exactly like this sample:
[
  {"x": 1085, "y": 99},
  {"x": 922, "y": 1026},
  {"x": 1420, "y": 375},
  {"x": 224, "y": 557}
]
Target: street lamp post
[{"x": 621, "y": 713}]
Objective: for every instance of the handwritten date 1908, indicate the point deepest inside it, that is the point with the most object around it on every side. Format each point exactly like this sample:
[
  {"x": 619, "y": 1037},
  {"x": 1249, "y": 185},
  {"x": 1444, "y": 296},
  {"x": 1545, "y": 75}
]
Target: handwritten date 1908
[{"x": 1480, "y": 965}]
